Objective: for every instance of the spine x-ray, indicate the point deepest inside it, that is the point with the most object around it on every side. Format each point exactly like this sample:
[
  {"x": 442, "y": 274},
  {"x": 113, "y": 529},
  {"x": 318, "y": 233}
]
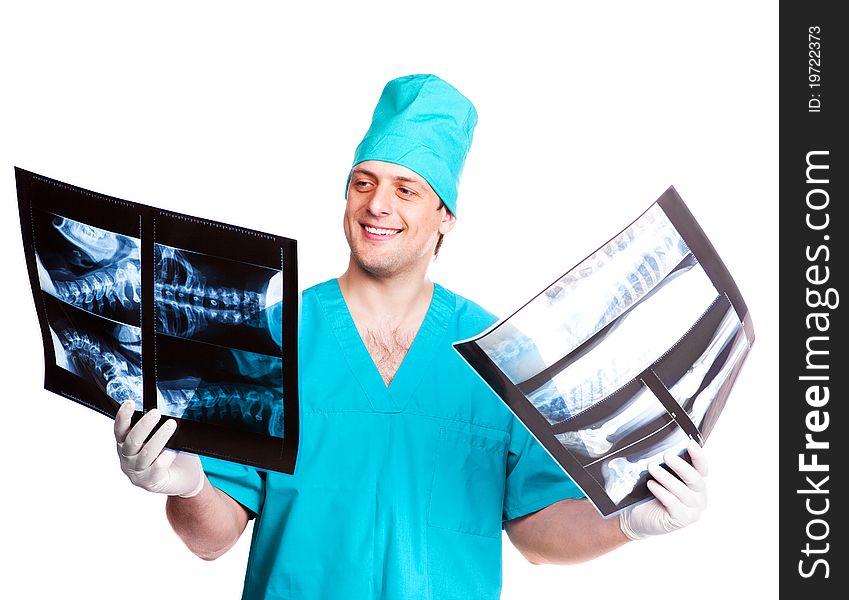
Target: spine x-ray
[
  {"x": 631, "y": 353},
  {"x": 191, "y": 316}
]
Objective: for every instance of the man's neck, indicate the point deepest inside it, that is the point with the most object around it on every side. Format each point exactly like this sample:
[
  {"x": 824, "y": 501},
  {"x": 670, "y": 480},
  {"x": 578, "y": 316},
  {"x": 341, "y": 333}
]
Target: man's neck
[{"x": 394, "y": 300}]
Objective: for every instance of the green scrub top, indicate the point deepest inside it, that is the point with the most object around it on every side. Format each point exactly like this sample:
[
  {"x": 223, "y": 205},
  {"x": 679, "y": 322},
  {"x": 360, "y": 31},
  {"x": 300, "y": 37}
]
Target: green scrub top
[{"x": 399, "y": 492}]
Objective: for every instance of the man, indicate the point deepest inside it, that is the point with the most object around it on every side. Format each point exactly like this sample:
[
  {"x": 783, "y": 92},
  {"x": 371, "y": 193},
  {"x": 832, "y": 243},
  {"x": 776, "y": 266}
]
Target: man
[{"x": 409, "y": 466}]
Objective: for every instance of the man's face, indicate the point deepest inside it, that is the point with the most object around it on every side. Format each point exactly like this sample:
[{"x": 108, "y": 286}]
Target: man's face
[{"x": 392, "y": 219}]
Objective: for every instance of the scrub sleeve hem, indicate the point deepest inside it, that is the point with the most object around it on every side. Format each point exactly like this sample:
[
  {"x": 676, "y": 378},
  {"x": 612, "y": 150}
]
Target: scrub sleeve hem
[
  {"x": 244, "y": 497},
  {"x": 540, "y": 502}
]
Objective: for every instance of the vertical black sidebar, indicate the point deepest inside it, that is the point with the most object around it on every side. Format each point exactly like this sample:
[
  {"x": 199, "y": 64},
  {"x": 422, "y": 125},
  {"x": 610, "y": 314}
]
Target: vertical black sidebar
[{"x": 812, "y": 403}]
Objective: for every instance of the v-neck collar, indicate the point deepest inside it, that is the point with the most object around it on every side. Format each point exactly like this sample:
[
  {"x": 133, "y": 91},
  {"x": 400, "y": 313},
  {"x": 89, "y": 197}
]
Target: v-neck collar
[{"x": 415, "y": 364}]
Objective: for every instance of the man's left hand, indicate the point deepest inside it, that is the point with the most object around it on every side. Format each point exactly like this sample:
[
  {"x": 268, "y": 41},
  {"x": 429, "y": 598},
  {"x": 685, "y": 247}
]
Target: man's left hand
[{"x": 677, "y": 502}]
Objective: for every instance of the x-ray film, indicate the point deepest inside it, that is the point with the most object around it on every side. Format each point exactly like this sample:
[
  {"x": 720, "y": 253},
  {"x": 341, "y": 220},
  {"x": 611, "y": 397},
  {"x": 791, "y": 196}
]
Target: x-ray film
[
  {"x": 191, "y": 316},
  {"x": 630, "y": 354}
]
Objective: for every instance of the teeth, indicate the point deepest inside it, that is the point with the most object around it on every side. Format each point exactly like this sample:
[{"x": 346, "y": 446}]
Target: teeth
[{"x": 377, "y": 231}]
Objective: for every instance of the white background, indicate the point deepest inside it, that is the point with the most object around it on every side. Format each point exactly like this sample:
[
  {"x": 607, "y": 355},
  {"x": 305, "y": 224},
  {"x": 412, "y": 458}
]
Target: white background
[{"x": 249, "y": 113}]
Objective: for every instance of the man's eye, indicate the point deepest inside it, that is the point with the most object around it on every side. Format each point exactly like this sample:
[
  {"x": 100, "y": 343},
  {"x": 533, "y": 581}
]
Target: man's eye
[
  {"x": 405, "y": 191},
  {"x": 362, "y": 184}
]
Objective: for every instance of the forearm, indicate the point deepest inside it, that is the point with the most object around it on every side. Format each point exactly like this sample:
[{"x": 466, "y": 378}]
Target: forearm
[
  {"x": 567, "y": 532},
  {"x": 209, "y": 523}
]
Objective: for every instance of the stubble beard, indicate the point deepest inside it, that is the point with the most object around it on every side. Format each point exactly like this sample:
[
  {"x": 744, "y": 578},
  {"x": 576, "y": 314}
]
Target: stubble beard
[
  {"x": 387, "y": 264},
  {"x": 380, "y": 266}
]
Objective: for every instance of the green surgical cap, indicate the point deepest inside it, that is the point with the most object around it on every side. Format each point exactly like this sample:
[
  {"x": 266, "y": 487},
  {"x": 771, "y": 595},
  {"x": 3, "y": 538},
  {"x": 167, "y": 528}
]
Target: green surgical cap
[{"x": 422, "y": 123}]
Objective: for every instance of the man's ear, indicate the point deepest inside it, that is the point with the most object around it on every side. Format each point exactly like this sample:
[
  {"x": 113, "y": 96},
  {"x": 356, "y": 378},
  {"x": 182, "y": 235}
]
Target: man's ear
[{"x": 448, "y": 222}]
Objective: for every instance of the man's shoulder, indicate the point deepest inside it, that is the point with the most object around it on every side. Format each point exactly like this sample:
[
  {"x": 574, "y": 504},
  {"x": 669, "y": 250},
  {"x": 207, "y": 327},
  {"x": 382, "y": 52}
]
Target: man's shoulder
[
  {"x": 317, "y": 299},
  {"x": 317, "y": 288},
  {"x": 471, "y": 317},
  {"x": 467, "y": 304}
]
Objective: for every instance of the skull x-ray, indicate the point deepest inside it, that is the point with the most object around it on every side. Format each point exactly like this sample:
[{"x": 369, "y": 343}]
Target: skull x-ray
[
  {"x": 628, "y": 355},
  {"x": 191, "y": 316},
  {"x": 93, "y": 269}
]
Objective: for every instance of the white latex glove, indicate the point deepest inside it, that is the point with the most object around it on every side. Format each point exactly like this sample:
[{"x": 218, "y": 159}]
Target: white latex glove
[
  {"x": 676, "y": 503},
  {"x": 151, "y": 466}
]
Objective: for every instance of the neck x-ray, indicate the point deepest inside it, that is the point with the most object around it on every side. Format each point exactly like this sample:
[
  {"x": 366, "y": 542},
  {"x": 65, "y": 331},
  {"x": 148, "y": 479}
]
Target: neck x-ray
[{"x": 191, "y": 316}]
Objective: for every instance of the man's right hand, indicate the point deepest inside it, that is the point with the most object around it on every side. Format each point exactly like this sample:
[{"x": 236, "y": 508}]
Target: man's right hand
[{"x": 150, "y": 465}]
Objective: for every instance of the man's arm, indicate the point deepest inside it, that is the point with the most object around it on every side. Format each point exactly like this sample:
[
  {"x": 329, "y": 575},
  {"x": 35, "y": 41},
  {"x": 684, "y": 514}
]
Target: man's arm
[
  {"x": 566, "y": 532},
  {"x": 572, "y": 531},
  {"x": 209, "y": 523},
  {"x": 207, "y": 520}
]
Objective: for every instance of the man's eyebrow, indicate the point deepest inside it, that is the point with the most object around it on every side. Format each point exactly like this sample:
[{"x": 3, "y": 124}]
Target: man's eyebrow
[
  {"x": 367, "y": 173},
  {"x": 359, "y": 171}
]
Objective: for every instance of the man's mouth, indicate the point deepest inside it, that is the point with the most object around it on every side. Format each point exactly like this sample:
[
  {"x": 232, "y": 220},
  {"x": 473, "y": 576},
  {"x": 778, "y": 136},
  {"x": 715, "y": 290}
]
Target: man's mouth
[{"x": 379, "y": 233}]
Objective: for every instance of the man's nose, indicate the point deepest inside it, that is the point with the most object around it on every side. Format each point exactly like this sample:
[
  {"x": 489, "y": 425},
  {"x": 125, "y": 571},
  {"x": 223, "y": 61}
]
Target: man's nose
[{"x": 380, "y": 203}]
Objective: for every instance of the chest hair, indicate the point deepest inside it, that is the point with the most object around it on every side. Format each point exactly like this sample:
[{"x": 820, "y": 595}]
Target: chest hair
[{"x": 387, "y": 348}]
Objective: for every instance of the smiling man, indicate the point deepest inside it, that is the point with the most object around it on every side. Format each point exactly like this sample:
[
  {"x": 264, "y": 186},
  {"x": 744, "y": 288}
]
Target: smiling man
[
  {"x": 409, "y": 466},
  {"x": 373, "y": 189}
]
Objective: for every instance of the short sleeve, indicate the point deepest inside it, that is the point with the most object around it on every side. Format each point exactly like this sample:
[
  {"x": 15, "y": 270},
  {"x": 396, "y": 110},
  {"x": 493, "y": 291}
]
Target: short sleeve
[
  {"x": 534, "y": 479},
  {"x": 244, "y": 484}
]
